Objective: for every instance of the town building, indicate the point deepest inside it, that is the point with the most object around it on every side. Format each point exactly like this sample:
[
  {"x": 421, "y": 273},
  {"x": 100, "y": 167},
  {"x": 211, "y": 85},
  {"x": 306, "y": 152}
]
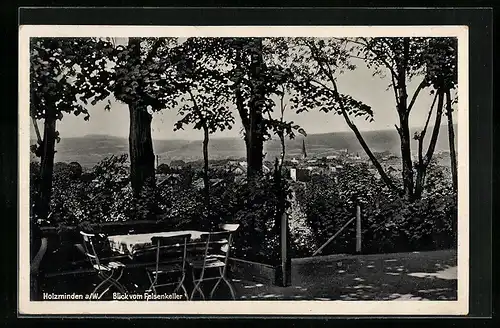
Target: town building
[{"x": 300, "y": 174}]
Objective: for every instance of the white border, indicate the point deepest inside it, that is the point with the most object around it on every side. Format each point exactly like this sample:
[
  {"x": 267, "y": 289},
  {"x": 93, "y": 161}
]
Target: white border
[{"x": 459, "y": 307}]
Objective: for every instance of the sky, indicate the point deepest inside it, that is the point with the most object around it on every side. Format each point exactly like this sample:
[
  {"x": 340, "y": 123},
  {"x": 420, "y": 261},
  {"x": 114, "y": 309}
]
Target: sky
[{"x": 359, "y": 83}]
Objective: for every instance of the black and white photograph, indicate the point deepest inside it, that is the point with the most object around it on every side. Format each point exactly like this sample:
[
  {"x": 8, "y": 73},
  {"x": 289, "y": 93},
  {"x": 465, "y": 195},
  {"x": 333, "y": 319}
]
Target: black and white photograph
[{"x": 213, "y": 168}]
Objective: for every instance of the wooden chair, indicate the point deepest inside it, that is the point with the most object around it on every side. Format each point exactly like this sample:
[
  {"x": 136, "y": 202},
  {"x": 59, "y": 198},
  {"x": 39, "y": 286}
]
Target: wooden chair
[
  {"x": 214, "y": 256},
  {"x": 170, "y": 263},
  {"x": 109, "y": 272}
]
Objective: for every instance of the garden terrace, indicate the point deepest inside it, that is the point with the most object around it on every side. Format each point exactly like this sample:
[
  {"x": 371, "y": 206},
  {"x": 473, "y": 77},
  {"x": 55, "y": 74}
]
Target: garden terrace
[{"x": 404, "y": 276}]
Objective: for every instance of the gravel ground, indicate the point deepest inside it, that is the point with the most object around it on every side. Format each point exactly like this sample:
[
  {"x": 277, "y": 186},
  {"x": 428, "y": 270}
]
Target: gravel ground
[{"x": 400, "y": 276}]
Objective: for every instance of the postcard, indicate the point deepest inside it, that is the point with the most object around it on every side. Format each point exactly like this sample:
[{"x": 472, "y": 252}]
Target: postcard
[{"x": 224, "y": 170}]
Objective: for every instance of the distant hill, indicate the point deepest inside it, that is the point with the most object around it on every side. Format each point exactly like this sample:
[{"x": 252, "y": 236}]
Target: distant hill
[
  {"x": 378, "y": 141},
  {"x": 89, "y": 150}
]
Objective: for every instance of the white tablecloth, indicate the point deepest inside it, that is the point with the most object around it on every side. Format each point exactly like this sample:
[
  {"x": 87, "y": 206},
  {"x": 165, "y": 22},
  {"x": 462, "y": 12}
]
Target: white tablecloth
[{"x": 130, "y": 244}]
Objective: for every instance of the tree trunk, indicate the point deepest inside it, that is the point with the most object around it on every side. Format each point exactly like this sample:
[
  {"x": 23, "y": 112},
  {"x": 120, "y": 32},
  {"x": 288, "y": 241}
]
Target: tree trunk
[
  {"x": 403, "y": 129},
  {"x": 245, "y": 120},
  {"x": 407, "y": 164},
  {"x": 283, "y": 149},
  {"x": 403, "y": 112},
  {"x": 142, "y": 158},
  {"x": 387, "y": 180},
  {"x": 420, "y": 180},
  {"x": 252, "y": 119},
  {"x": 255, "y": 146},
  {"x": 278, "y": 168},
  {"x": 256, "y": 135},
  {"x": 254, "y": 141},
  {"x": 37, "y": 131},
  {"x": 206, "y": 180},
  {"x": 47, "y": 166},
  {"x": 422, "y": 167},
  {"x": 451, "y": 140}
]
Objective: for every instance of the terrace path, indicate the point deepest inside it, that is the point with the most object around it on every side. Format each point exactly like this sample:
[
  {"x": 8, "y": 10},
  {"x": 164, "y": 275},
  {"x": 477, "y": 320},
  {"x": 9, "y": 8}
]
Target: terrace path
[{"x": 397, "y": 276}]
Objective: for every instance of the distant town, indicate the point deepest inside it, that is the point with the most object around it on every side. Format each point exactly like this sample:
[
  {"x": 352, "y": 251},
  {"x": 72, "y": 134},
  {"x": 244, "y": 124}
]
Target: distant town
[{"x": 302, "y": 168}]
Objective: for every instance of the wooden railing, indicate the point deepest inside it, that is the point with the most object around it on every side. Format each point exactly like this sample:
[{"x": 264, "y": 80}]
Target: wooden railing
[
  {"x": 115, "y": 227},
  {"x": 358, "y": 232}
]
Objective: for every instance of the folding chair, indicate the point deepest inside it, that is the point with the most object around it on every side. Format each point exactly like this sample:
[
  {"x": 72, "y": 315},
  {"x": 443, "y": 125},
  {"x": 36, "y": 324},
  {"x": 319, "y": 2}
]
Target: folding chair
[
  {"x": 215, "y": 255},
  {"x": 110, "y": 272},
  {"x": 170, "y": 263}
]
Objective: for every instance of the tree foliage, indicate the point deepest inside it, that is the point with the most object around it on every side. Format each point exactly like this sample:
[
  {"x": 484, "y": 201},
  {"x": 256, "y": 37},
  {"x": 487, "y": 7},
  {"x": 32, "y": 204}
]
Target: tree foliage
[
  {"x": 62, "y": 71},
  {"x": 203, "y": 93},
  {"x": 317, "y": 63},
  {"x": 433, "y": 62},
  {"x": 201, "y": 89},
  {"x": 256, "y": 78},
  {"x": 139, "y": 74}
]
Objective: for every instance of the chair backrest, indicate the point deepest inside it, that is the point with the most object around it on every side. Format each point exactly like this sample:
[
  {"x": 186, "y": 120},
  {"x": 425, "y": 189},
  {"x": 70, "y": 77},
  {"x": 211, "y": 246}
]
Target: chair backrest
[
  {"x": 232, "y": 227},
  {"x": 90, "y": 247},
  {"x": 170, "y": 247},
  {"x": 227, "y": 232},
  {"x": 218, "y": 243}
]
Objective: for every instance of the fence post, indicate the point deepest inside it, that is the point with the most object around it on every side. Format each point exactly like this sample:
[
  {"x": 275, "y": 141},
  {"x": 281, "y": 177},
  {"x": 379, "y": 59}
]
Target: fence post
[
  {"x": 358, "y": 228},
  {"x": 285, "y": 257}
]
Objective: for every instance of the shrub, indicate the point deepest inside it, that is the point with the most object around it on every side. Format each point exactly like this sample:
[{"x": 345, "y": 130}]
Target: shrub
[
  {"x": 163, "y": 169},
  {"x": 389, "y": 224},
  {"x": 326, "y": 210},
  {"x": 75, "y": 199},
  {"x": 104, "y": 194},
  {"x": 76, "y": 170},
  {"x": 34, "y": 191},
  {"x": 317, "y": 209},
  {"x": 180, "y": 206},
  {"x": 303, "y": 240},
  {"x": 255, "y": 210}
]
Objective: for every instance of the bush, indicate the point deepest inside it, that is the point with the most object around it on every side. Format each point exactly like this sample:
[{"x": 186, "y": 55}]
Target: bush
[
  {"x": 252, "y": 204},
  {"x": 255, "y": 211},
  {"x": 317, "y": 209},
  {"x": 389, "y": 224},
  {"x": 76, "y": 170},
  {"x": 76, "y": 199},
  {"x": 34, "y": 191},
  {"x": 104, "y": 194},
  {"x": 163, "y": 169},
  {"x": 180, "y": 206}
]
